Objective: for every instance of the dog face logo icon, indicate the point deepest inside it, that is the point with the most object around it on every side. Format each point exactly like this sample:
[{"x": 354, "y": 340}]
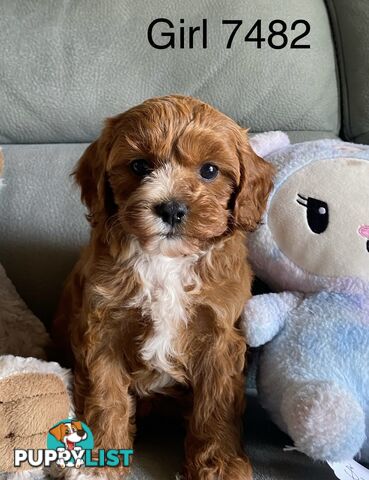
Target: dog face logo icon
[
  {"x": 70, "y": 443},
  {"x": 70, "y": 436},
  {"x": 69, "y": 433}
]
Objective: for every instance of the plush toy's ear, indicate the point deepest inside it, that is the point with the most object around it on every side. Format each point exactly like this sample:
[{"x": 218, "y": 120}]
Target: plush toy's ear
[
  {"x": 256, "y": 181},
  {"x": 265, "y": 143},
  {"x": 58, "y": 432}
]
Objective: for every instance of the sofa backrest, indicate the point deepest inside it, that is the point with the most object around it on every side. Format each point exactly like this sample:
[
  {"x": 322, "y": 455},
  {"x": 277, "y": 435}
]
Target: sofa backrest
[
  {"x": 350, "y": 21},
  {"x": 66, "y": 65}
]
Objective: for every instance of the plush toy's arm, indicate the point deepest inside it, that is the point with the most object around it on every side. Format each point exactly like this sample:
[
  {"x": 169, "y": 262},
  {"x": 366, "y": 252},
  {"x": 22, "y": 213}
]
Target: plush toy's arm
[{"x": 264, "y": 316}]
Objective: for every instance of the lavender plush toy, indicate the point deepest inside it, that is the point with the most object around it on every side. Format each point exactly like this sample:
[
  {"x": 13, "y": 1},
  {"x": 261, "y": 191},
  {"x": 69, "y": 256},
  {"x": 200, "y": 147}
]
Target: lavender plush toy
[{"x": 313, "y": 248}]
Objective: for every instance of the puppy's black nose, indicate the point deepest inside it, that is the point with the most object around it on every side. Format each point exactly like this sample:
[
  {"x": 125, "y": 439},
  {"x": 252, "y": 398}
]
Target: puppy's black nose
[{"x": 171, "y": 212}]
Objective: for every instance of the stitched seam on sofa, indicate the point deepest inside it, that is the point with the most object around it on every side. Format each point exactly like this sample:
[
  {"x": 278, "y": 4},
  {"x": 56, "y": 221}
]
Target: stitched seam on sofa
[
  {"x": 252, "y": 132},
  {"x": 62, "y": 144},
  {"x": 338, "y": 43}
]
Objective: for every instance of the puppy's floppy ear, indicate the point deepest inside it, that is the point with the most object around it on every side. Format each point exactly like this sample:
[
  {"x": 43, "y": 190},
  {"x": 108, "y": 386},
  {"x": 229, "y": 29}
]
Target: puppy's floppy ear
[
  {"x": 256, "y": 181},
  {"x": 91, "y": 176}
]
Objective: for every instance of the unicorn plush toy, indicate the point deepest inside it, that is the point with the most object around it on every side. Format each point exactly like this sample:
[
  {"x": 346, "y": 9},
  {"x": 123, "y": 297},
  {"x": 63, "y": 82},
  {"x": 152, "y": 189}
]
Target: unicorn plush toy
[{"x": 313, "y": 248}]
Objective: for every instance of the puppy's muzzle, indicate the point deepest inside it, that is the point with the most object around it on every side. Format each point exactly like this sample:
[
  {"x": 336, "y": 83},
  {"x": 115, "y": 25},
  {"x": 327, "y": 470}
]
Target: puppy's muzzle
[{"x": 172, "y": 213}]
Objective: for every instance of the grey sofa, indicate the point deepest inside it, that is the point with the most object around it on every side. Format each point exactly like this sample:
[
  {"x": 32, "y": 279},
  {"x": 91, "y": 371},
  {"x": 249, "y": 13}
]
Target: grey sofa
[{"x": 65, "y": 65}]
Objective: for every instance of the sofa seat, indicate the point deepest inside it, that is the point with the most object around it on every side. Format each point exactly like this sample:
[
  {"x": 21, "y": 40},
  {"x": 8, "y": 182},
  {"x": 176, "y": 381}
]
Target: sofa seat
[{"x": 43, "y": 225}]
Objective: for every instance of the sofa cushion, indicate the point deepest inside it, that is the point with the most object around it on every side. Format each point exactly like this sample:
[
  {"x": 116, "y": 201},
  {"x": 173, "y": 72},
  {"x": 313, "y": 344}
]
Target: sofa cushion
[
  {"x": 158, "y": 453},
  {"x": 350, "y": 22},
  {"x": 42, "y": 223},
  {"x": 76, "y": 63},
  {"x": 42, "y": 220}
]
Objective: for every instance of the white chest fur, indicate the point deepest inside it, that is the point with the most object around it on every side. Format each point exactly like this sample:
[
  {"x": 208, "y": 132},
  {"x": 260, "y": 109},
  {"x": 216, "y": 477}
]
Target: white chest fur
[{"x": 164, "y": 299}]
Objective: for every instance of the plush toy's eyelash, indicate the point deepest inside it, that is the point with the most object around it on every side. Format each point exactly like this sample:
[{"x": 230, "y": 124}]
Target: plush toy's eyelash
[
  {"x": 301, "y": 200},
  {"x": 317, "y": 213}
]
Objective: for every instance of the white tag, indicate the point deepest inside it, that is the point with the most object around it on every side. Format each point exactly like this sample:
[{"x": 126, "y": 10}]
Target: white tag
[
  {"x": 290, "y": 448},
  {"x": 350, "y": 470}
]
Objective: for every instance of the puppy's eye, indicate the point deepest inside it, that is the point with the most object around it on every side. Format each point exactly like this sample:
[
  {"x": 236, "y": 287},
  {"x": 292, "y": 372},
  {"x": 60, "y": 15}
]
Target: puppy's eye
[
  {"x": 140, "y": 167},
  {"x": 317, "y": 213},
  {"x": 209, "y": 171}
]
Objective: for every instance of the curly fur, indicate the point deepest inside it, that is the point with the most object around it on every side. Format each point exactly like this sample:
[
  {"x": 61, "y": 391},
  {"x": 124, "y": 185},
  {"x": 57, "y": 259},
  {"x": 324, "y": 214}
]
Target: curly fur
[{"x": 149, "y": 313}]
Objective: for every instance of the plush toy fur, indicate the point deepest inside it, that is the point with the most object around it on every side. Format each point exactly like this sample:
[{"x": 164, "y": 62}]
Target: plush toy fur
[
  {"x": 313, "y": 375},
  {"x": 34, "y": 394}
]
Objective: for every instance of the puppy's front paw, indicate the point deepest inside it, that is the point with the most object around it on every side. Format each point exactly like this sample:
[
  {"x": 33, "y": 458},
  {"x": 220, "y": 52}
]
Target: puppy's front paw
[
  {"x": 238, "y": 468},
  {"x": 110, "y": 473},
  {"x": 218, "y": 467},
  {"x": 83, "y": 473}
]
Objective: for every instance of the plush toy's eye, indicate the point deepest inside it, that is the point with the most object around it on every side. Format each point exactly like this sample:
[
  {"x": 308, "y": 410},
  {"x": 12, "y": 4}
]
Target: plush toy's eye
[
  {"x": 317, "y": 213},
  {"x": 140, "y": 167}
]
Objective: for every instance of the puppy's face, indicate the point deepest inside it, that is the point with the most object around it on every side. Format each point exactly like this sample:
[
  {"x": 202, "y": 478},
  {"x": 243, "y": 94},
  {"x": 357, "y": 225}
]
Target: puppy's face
[{"x": 174, "y": 173}]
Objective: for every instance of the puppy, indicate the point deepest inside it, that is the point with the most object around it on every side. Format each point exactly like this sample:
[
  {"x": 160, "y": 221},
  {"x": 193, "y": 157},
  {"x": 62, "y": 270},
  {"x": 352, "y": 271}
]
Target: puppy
[{"x": 171, "y": 186}]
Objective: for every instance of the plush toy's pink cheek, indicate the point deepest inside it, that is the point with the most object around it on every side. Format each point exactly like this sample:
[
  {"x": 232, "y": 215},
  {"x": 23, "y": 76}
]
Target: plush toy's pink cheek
[{"x": 364, "y": 231}]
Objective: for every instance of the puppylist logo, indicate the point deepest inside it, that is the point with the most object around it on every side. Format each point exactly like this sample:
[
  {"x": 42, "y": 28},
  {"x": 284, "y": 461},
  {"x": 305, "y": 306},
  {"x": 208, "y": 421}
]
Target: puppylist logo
[{"x": 70, "y": 444}]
